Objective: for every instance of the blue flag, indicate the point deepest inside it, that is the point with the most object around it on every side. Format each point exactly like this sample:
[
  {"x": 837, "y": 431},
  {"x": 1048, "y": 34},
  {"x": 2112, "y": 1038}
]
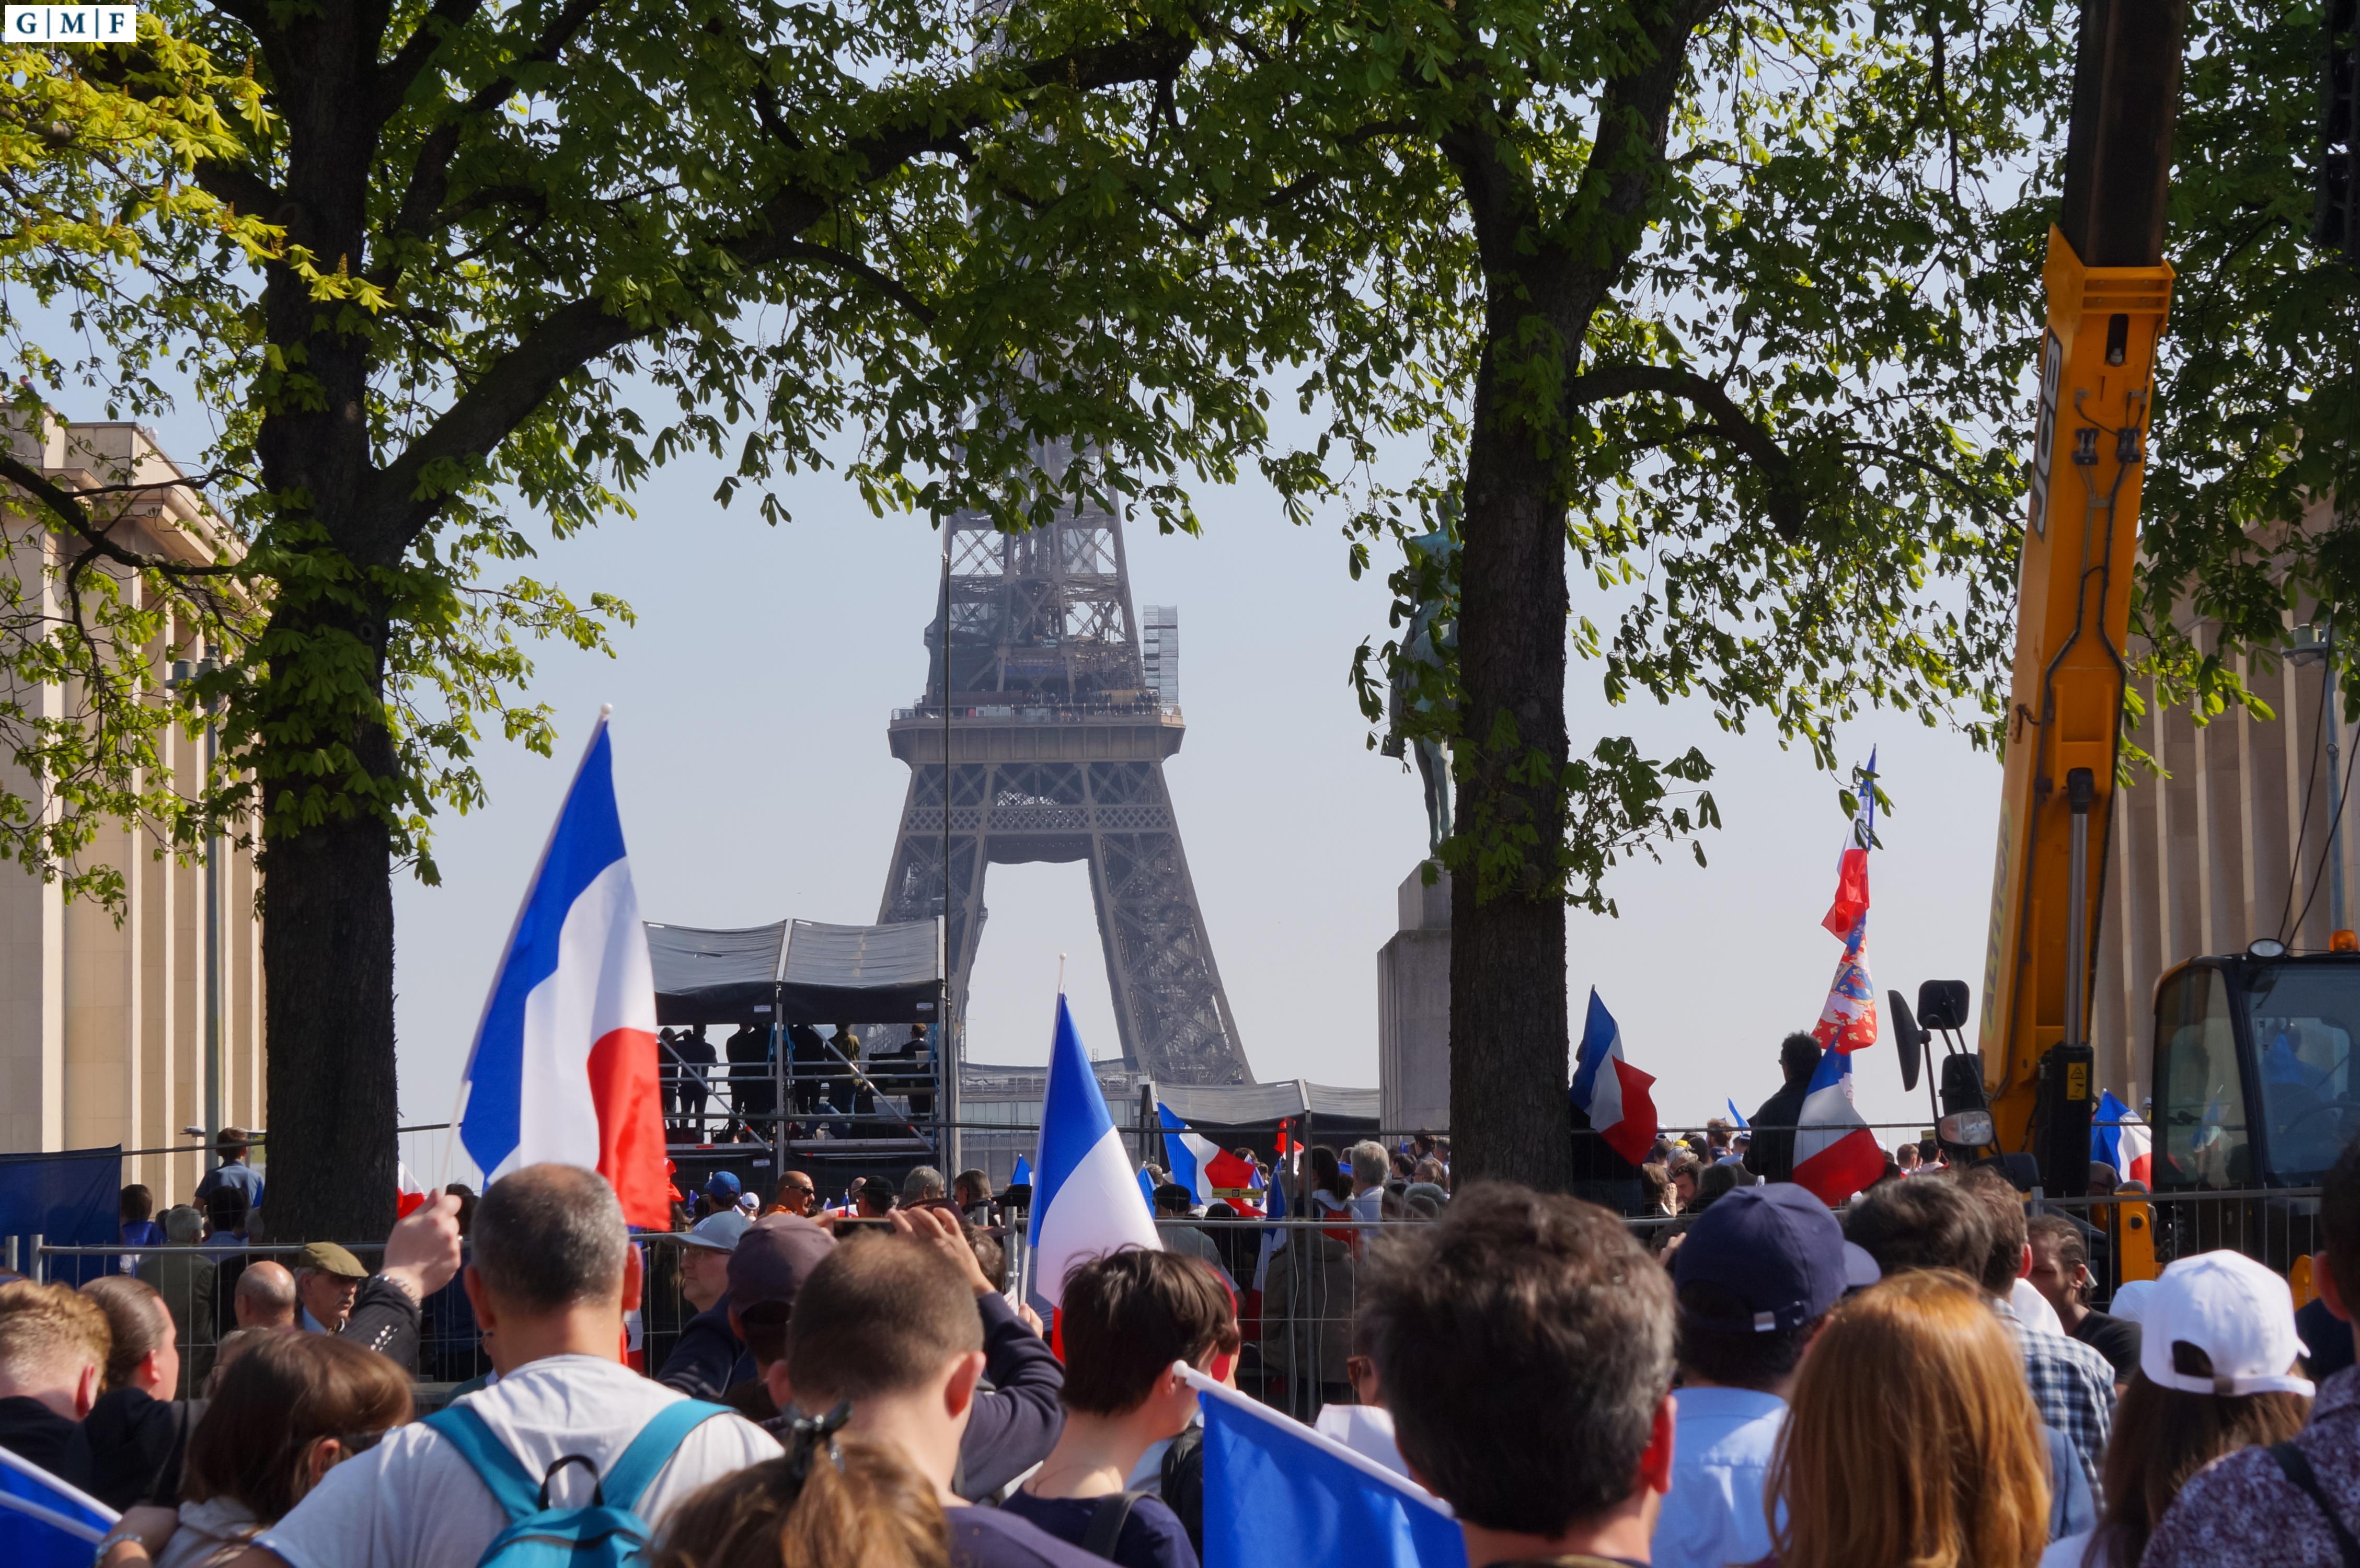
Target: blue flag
[
  {"x": 1022, "y": 1175},
  {"x": 1736, "y": 1115},
  {"x": 45, "y": 1523},
  {"x": 1278, "y": 1495}
]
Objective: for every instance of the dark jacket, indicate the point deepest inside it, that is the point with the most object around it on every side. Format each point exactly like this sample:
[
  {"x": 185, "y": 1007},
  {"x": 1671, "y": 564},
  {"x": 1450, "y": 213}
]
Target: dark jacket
[
  {"x": 709, "y": 1356},
  {"x": 35, "y": 1433},
  {"x": 1016, "y": 1420},
  {"x": 1015, "y": 1424},
  {"x": 385, "y": 1320},
  {"x": 1771, "y": 1156},
  {"x": 129, "y": 1450}
]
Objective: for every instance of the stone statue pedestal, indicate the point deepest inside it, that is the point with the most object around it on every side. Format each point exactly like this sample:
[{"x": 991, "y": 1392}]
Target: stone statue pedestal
[{"x": 1414, "y": 1011}]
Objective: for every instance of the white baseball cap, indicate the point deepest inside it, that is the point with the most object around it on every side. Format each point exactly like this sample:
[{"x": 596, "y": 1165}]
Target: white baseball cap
[
  {"x": 2130, "y": 1299},
  {"x": 2237, "y": 1312},
  {"x": 718, "y": 1233}
]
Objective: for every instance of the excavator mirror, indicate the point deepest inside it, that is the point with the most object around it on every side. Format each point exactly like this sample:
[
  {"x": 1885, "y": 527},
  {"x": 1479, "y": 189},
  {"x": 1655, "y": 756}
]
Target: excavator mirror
[
  {"x": 1943, "y": 1004},
  {"x": 1909, "y": 1040}
]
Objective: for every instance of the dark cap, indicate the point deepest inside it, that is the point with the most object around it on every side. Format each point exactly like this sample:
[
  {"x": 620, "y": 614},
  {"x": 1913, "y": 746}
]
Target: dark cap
[
  {"x": 1776, "y": 1249},
  {"x": 773, "y": 1258}
]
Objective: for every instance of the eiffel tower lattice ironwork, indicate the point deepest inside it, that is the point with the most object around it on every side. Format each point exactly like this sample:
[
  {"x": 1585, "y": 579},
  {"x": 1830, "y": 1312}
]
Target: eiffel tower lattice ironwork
[{"x": 1059, "y": 718}]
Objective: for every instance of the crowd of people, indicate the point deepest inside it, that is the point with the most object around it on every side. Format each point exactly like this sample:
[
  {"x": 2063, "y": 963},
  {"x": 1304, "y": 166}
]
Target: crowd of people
[
  {"x": 730, "y": 1094},
  {"x": 1918, "y": 1378}
]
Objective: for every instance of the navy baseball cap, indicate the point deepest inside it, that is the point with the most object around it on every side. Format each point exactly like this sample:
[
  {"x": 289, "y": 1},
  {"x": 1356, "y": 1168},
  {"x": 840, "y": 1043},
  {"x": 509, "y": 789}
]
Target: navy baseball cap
[
  {"x": 723, "y": 1182},
  {"x": 1775, "y": 1248}
]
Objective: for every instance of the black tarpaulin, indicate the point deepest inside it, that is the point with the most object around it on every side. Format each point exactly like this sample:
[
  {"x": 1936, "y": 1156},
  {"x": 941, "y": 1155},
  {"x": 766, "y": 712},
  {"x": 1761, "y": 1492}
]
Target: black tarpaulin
[{"x": 817, "y": 974}]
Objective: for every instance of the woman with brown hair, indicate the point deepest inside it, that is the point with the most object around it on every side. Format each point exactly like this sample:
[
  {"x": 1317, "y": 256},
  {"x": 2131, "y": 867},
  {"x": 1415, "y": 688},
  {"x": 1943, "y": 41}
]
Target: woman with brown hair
[
  {"x": 1911, "y": 1439},
  {"x": 2216, "y": 1374},
  {"x": 287, "y": 1411},
  {"x": 829, "y": 1501}
]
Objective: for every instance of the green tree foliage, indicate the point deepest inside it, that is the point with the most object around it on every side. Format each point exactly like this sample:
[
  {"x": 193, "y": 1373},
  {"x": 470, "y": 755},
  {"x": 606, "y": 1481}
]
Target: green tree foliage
[{"x": 2252, "y": 494}]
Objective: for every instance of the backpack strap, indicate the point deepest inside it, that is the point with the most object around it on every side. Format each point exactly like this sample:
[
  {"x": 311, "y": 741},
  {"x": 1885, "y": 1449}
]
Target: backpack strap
[
  {"x": 501, "y": 1471},
  {"x": 1107, "y": 1522},
  {"x": 2296, "y": 1465},
  {"x": 653, "y": 1449}
]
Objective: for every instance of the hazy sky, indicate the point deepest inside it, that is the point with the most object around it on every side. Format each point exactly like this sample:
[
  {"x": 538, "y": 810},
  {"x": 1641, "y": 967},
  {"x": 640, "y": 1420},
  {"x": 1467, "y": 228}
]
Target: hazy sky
[{"x": 750, "y": 702}]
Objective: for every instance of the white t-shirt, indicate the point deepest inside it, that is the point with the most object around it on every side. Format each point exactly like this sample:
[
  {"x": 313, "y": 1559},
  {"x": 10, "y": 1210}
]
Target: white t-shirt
[{"x": 413, "y": 1502}]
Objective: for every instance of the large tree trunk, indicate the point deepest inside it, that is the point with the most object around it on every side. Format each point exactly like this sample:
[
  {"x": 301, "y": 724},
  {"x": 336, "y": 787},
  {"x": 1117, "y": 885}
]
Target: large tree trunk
[
  {"x": 327, "y": 950},
  {"x": 327, "y": 760},
  {"x": 1508, "y": 1043}
]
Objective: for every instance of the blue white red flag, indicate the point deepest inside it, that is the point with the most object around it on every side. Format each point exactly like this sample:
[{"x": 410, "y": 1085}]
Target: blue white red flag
[
  {"x": 44, "y": 1522},
  {"x": 1608, "y": 1089},
  {"x": 564, "y": 1066},
  {"x": 1211, "y": 1173},
  {"x": 1278, "y": 1495},
  {"x": 2125, "y": 1144},
  {"x": 1084, "y": 1201},
  {"x": 1835, "y": 1153},
  {"x": 1851, "y": 860}
]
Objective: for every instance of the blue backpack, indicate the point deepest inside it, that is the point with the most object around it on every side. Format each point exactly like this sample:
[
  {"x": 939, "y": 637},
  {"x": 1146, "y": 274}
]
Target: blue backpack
[{"x": 608, "y": 1534}]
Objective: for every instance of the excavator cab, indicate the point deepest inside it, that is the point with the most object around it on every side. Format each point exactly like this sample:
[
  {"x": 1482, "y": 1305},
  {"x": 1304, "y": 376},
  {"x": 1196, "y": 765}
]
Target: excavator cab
[{"x": 2254, "y": 1093}]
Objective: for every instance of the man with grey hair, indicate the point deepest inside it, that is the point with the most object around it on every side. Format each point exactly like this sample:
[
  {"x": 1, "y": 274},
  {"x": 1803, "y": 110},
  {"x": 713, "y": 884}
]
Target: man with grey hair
[
  {"x": 546, "y": 1283},
  {"x": 922, "y": 1185}
]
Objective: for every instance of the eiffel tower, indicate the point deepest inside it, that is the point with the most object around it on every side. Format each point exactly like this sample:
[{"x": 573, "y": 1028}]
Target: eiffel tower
[{"x": 1059, "y": 718}]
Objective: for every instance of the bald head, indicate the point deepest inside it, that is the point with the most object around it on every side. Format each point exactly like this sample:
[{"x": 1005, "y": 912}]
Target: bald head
[
  {"x": 265, "y": 1296},
  {"x": 549, "y": 1237}
]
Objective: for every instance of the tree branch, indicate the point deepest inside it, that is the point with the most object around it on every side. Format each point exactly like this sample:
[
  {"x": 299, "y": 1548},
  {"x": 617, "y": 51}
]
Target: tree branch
[
  {"x": 852, "y": 266},
  {"x": 63, "y": 504},
  {"x": 1788, "y": 510},
  {"x": 395, "y": 76}
]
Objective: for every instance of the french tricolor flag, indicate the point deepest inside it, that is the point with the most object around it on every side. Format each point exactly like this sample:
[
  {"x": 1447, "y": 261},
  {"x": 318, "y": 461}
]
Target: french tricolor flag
[
  {"x": 2120, "y": 1139},
  {"x": 1836, "y": 1154},
  {"x": 1612, "y": 1092},
  {"x": 1086, "y": 1199},
  {"x": 1211, "y": 1173},
  {"x": 563, "y": 1067}
]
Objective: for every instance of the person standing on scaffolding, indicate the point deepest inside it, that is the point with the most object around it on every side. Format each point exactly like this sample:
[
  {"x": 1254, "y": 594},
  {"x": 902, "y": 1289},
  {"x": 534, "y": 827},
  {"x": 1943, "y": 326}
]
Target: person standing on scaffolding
[{"x": 753, "y": 1094}]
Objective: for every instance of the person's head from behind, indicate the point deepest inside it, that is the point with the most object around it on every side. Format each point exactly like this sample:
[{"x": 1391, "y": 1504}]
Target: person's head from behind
[
  {"x": 1911, "y": 1437},
  {"x": 138, "y": 1203},
  {"x": 1655, "y": 1186},
  {"x": 1127, "y": 1317},
  {"x": 1326, "y": 1173},
  {"x": 922, "y": 1184},
  {"x": 231, "y": 1144},
  {"x": 2339, "y": 1235},
  {"x": 54, "y": 1345},
  {"x": 971, "y": 1190},
  {"x": 1906, "y": 1155},
  {"x": 1921, "y": 1225},
  {"x": 1799, "y": 1056},
  {"x": 876, "y": 1199},
  {"x": 143, "y": 1346},
  {"x": 888, "y": 1324},
  {"x": 265, "y": 1296},
  {"x": 1173, "y": 1200},
  {"x": 2216, "y": 1373},
  {"x": 2010, "y": 1252},
  {"x": 183, "y": 1226},
  {"x": 1525, "y": 1346},
  {"x": 1371, "y": 1165},
  {"x": 832, "y": 1500},
  {"x": 290, "y": 1408},
  {"x": 547, "y": 1274},
  {"x": 225, "y": 1210},
  {"x": 1756, "y": 1275}
]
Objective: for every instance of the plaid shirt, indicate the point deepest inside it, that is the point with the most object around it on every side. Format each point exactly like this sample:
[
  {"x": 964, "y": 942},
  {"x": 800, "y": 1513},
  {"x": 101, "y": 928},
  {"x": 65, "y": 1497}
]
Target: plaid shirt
[
  {"x": 2243, "y": 1509},
  {"x": 2072, "y": 1386}
]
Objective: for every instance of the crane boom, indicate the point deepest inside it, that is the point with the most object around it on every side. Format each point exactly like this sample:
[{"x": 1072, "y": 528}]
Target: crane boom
[{"x": 2108, "y": 288}]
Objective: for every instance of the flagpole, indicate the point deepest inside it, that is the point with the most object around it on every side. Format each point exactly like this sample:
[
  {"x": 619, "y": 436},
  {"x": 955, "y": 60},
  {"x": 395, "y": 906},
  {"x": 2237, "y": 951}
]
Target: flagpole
[{"x": 1061, "y": 975}]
